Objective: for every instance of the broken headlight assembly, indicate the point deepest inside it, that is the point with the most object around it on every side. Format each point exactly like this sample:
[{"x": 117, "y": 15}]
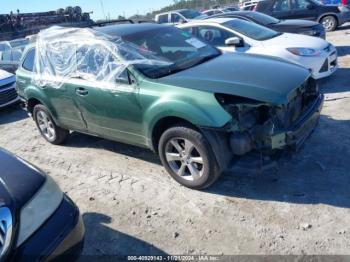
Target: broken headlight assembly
[{"x": 251, "y": 122}]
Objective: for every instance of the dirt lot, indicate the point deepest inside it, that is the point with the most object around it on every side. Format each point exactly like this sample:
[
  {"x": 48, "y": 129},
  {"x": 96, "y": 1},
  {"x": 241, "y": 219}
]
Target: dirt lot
[{"x": 131, "y": 206}]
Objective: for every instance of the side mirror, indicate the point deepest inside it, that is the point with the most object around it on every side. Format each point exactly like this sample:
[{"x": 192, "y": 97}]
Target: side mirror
[{"x": 234, "y": 41}]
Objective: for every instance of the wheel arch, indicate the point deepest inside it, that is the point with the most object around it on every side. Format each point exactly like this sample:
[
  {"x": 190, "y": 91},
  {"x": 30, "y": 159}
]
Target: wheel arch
[
  {"x": 328, "y": 14},
  {"x": 165, "y": 123}
]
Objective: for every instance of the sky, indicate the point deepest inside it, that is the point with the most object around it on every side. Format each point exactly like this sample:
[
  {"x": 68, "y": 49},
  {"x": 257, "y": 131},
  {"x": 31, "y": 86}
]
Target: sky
[{"x": 108, "y": 8}]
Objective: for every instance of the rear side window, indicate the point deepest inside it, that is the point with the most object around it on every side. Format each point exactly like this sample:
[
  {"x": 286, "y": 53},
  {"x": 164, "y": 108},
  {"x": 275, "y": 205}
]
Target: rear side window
[
  {"x": 28, "y": 63},
  {"x": 163, "y": 19},
  {"x": 281, "y": 5}
]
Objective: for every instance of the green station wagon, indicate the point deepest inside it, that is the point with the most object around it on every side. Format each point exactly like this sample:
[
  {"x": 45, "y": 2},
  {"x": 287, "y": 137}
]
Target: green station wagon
[{"x": 157, "y": 87}]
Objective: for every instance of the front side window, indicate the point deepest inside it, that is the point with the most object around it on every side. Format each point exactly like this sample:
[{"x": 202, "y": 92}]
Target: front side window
[
  {"x": 28, "y": 63},
  {"x": 300, "y": 4},
  {"x": 281, "y": 5},
  {"x": 175, "y": 18},
  {"x": 251, "y": 30},
  {"x": 168, "y": 49},
  {"x": 212, "y": 35},
  {"x": 95, "y": 62}
]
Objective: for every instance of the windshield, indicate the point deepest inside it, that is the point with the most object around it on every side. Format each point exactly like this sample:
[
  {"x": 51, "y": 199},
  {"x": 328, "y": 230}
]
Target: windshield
[
  {"x": 177, "y": 49},
  {"x": 262, "y": 18},
  {"x": 251, "y": 30},
  {"x": 190, "y": 14}
]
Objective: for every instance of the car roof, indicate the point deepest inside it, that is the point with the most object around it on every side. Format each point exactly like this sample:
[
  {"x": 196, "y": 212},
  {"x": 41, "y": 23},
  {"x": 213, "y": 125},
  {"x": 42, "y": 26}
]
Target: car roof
[
  {"x": 173, "y": 11},
  {"x": 127, "y": 29},
  {"x": 219, "y": 20}
]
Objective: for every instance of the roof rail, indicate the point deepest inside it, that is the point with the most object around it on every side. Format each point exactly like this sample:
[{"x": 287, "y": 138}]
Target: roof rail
[
  {"x": 119, "y": 21},
  {"x": 114, "y": 21}
]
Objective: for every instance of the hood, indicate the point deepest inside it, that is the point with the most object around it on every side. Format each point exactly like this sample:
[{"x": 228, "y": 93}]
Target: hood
[
  {"x": 6, "y": 77},
  {"x": 20, "y": 179},
  {"x": 295, "y": 24},
  {"x": 257, "y": 77},
  {"x": 287, "y": 40}
]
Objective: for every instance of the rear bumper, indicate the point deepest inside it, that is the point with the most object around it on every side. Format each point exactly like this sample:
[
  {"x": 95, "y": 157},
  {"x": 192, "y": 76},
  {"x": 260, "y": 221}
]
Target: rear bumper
[
  {"x": 343, "y": 17},
  {"x": 60, "y": 237}
]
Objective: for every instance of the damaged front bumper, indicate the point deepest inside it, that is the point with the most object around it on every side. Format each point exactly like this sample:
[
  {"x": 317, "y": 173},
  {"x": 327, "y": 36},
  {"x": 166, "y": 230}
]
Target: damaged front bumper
[
  {"x": 295, "y": 136},
  {"x": 275, "y": 146}
]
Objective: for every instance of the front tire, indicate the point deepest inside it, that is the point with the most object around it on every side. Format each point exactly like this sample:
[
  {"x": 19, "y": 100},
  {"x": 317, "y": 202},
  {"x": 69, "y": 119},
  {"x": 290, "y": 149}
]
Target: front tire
[
  {"x": 329, "y": 23},
  {"x": 187, "y": 156},
  {"x": 47, "y": 127}
]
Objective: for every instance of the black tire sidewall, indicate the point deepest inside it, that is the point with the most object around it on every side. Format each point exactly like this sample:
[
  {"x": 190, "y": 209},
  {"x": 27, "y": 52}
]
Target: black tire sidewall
[{"x": 211, "y": 171}]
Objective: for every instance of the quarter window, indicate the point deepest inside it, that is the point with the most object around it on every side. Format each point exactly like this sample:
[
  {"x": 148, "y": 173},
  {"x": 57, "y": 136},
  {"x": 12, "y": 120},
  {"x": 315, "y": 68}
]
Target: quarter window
[{"x": 28, "y": 63}]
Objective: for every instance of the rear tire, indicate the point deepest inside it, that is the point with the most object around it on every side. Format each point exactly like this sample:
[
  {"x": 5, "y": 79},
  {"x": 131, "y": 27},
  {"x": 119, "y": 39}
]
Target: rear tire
[
  {"x": 47, "y": 127},
  {"x": 329, "y": 23},
  {"x": 187, "y": 156}
]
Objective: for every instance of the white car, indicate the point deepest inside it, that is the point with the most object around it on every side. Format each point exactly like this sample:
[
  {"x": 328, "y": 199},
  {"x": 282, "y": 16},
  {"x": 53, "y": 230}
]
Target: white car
[
  {"x": 178, "y": 16},
  {"x": 8, "y": 93},
  {"x": 237, "y": 35}
]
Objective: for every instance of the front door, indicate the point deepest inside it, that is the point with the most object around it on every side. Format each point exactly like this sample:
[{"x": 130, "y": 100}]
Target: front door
[
  {"x": 107, "y": 96},
  {"x": 304, "y": 9}
]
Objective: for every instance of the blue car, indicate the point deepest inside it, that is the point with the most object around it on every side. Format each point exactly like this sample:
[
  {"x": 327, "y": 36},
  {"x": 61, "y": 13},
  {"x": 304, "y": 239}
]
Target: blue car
[{"x": 37, "y": 220}]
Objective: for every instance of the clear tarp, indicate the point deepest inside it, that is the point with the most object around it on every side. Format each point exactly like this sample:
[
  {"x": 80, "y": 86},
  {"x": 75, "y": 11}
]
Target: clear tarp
[{"x": 64, "y": 53}]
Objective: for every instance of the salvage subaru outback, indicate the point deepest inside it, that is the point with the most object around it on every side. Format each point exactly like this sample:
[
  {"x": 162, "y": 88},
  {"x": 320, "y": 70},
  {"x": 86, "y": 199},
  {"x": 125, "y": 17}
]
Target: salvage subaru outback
[{"x": 158, "y": 87}]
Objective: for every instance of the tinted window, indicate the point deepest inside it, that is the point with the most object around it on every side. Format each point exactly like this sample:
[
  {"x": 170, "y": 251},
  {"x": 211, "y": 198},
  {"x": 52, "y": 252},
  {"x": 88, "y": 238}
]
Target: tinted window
[
  {"x": 163, "y": 19},
  {"x": 28, "y": 63},
  {"x": 190, "y": 14},
  {"x": 262, "y": 18},
  {"x": 175, "y": 18},
  {"x": 251, "y": 30},
  {"x": 211, "y": 35},
  {"x": 300, "y": 4},
  {"x": 281, "y": 5}
]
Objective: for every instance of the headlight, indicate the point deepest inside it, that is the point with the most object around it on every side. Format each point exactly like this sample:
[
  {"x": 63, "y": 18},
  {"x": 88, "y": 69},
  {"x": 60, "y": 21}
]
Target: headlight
[
  {"x": 299, "y": 51},
  {"x": 44, "y": 203},
  {"x": 309, "y": 32}
]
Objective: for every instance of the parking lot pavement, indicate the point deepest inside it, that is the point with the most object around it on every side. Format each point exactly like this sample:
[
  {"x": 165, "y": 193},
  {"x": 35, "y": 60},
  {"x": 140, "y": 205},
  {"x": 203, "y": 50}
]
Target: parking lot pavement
[{"x": 131, "y": 206}]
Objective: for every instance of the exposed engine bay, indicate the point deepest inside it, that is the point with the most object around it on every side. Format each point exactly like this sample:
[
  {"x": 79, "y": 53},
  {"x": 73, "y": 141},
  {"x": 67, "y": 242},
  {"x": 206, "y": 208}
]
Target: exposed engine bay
[{"x": 262, "y": 126}]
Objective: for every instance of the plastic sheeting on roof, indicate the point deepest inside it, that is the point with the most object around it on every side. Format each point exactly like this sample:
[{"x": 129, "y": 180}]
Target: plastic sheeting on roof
[{"x": 82, "y": 53}]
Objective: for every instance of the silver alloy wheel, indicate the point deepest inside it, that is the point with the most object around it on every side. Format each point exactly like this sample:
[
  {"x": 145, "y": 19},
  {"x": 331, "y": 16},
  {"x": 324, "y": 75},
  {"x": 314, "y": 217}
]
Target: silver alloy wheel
[
  {"x": 184, "y": 159},
  {"x": 46, "y": 125},
  {"x": 328, "y": 23}
]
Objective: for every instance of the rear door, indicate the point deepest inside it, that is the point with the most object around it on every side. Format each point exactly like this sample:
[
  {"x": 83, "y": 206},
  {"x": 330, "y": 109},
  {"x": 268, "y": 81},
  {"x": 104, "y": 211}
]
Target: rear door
[{"x": 58, "y": 98}]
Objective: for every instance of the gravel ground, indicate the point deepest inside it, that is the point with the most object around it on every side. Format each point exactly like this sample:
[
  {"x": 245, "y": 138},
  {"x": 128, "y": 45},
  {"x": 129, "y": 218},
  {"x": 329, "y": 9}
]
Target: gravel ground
[{"x": 131, "y": 206}]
